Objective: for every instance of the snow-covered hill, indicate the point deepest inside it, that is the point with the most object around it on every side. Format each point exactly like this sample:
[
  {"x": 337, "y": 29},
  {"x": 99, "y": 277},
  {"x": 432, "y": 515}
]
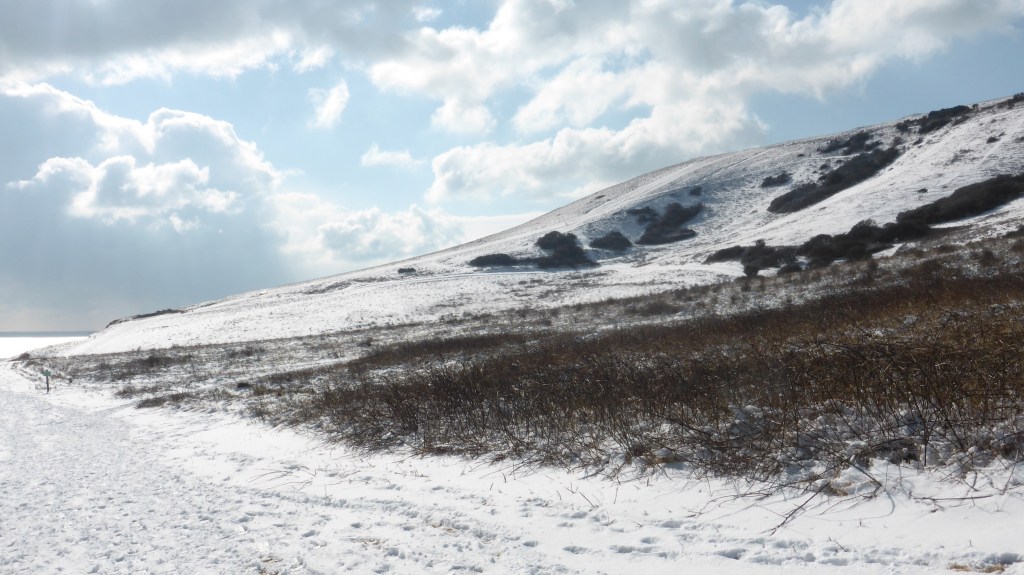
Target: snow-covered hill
[{"x": 934, "y": 159}]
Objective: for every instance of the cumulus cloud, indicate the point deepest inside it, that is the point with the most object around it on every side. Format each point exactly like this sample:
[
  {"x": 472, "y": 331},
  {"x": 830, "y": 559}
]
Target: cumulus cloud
[
  {"x": 548, "y": 99},
  {"x": 464, "y": 67},
  {"x": 683, "y": 72},
  {"x": 313, "y": 58},
  {"x": 578, "y": 65},
  {"x": 329, "y": 105},
  {"x": 375, "y": 157},
  {"x": 575, "y": 162},
  {"x": 579, "y": 94},
  {"x": 120, "y": 40},
  {"x": 461, "y": 117},
  {"x": 374, "y": 235},
  {"x": 426, "y": 13},
  {"x": 323, "y": 235},
  {"x": 119, "y": 189},
  {"x": 103, "y": 216}
]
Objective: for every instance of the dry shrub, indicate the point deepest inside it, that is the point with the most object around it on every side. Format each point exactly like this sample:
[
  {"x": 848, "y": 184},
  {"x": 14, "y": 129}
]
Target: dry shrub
[{"x": 903, "y": 372}]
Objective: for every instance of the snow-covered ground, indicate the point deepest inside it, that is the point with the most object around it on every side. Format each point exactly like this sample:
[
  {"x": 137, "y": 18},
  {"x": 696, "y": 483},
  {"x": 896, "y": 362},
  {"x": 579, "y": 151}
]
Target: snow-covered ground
[
  {"x": 89, "y": 484},
  {"x": 15, "y": 346}
]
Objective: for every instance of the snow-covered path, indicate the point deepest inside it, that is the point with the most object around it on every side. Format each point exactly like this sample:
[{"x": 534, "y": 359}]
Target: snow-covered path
[
  {"x": 90, "y": 484},
  {"x": 85, "y": 490},
  {"x": 79, "y": 495}
]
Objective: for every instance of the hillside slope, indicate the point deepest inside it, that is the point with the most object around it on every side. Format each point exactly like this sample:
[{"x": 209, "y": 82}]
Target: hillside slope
[{"x": 918, "y": 160}]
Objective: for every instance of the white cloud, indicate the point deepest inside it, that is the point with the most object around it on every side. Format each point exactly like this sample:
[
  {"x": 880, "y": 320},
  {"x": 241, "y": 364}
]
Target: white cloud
[
  {"x": 127, "y": 216},
  {"x": 375, "y": 157},
  {"x": 371, "y": 235},
  {"x": 574, "y": 161},
  {"x": 326, "y": 236},
  {"x": 313, "y": 59},
  {"x": 181, "y": 226},
  {"x": 577, "y": 63},
  {"x": 329, "y": 105},
  {"x": 464, "y": 67},
  {"x": 119, "y": 40},
  {"x": 683, "y": 72},
  {"x": 426, "y": 13},
  {"x": 578, "y": 95},
  {"x": 119, "y": 189},
  {"x": 177, "y": 209},
  {"x": 596, "y": 92},
  {"x": 226, "y": 60},
  {"x": 459, "y": 117}
]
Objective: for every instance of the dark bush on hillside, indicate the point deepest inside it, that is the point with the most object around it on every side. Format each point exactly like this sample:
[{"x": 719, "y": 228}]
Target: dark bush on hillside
[
  {"x": 856, "y": 143},
  {"x": 555, "y": 240},
  {"x": 939, "y": 118},
  {"x": 934, "y": 119},
  {"x": 696, "y": 191},
  {"x": 612, "y": 241},
  {"x": 863, "y": 240},
  {"x": 564, "y": 251},
  {"x": 406, "y": 270},
  {"x": 157, "y": 313},
  {"x": 967, "y": 201},
  {"x": 777, "y": 180},
  {"x": 677, "y": 215},
  {"x": 763, "y": 256},
  {"x": 830, "y": 248},
  {"x": 644, "y": 215},
  {"x": 790, "y": 268},
  {"x": 496, "y": 260},
  {"x": 146, "y": 315},
  {"x": 850, "y": 173},
  {"x": 733, "y": 253},
  {"x": 759, "y": 256},
  {"x": 1016, "y": 99},
  {"x": 663, "y": 235},
  {"x": 668, "y": 227},
  {"x": 902, "y": 231},
  {"x": 566, "y": 257}
]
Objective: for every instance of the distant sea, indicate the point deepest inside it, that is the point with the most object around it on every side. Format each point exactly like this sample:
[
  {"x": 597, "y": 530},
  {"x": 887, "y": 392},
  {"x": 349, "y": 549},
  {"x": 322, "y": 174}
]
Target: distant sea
[{"x": 15, "y": 343}]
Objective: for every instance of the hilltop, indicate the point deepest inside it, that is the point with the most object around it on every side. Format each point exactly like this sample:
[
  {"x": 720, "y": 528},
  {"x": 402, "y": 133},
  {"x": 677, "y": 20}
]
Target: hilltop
[{"x": 651, "y": 234}]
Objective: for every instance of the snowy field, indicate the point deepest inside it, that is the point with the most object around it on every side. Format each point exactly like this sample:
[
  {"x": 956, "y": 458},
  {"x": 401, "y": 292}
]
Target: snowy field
[
  {"x": 15, "y": 346},
  {"x": 92, "y": 485}
]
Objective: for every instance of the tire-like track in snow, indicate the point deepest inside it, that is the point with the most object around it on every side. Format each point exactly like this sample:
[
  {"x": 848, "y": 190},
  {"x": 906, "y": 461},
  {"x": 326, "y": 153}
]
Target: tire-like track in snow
[
  {"x": 76, "y": 493},
  {"x": 92, "y": 490}
]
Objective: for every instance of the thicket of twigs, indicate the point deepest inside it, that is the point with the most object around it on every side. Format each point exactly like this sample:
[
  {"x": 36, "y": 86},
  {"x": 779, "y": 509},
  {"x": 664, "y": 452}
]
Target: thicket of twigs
[
  {"x": 928, "y": 370},
  {"x": 918, "y": 360}
]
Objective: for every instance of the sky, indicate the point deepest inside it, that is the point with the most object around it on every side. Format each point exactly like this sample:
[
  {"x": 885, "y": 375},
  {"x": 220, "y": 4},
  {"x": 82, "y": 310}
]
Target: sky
[{"x": 162, "y": 153}]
